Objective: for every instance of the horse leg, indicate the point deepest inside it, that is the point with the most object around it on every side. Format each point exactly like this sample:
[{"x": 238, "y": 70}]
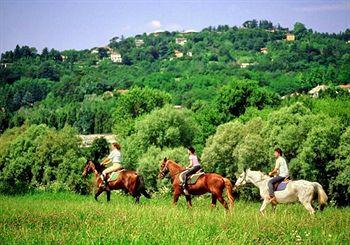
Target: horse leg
[
  {"x": 176, "y": 196},
  {"x": 263, "y": 206},
  {"x": 213, "y": 200},
  {"x": 274, "y": 207},
  {"x": 188, "y": 199},
  {"x": 99, "y": 191},
  {"x": 108, "y": 195},
  {"x": 137, "y": 199},
  {"x": 305, "y": 198},
  {"x": 309, "y": 207},
  {"x": 223, "y": 202}
]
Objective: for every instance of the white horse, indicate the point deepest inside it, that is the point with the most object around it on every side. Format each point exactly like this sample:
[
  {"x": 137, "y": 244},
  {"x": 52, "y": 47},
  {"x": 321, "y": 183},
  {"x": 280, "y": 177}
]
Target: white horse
[{"x": 301, "y": 190}]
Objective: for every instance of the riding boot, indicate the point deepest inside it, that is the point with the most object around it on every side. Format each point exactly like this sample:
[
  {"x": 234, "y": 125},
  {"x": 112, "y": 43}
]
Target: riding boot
[
  {"x": 183, "y": 186},
  {"x": 273, "y": 200},
  {"x": 104, "y": 179}
]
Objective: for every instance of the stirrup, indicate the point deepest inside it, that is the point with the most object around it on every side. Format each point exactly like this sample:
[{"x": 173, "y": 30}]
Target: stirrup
[{"x": 186, "y": 192}]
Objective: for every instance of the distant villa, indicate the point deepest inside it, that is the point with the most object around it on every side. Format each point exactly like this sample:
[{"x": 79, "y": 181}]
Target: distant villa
[{"x": 88, "y": 139}]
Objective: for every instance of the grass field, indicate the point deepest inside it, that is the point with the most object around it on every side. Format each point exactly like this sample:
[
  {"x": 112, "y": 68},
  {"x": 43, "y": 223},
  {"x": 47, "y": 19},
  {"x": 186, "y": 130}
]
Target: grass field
[{"x": 67, "y": 218}]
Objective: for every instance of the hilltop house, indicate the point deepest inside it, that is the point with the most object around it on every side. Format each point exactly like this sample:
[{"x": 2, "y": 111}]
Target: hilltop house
[
  {"x": 122, "y": 91},
  {"x": 181, "y": 41},
  {"x": 290, "y": 37},
  {"x": 139, "y": 42},
  {"x": 264, "y": 50},
  {"x": 245, "y": 65},
  {"x": 316, "y": 90},
  {"x": 116, "y": 57},
  {"x": 178, "y": 54},
  {"x": 94, "y": 51},
  {"x": 345, "y": 86}
]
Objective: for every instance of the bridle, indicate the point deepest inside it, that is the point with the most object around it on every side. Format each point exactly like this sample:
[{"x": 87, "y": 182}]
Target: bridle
[
  {"x": 244, "y": 179},
  {"x": 88, "y": 168},
  {"x": 162, "y": 172}
]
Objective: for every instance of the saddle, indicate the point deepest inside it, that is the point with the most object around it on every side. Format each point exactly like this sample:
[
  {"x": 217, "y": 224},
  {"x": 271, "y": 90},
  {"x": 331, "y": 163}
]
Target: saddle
[
  {"x": 192, "y": 179},
  {"x": 281, "y": 185},
  {"x": 114, "y": 175}
]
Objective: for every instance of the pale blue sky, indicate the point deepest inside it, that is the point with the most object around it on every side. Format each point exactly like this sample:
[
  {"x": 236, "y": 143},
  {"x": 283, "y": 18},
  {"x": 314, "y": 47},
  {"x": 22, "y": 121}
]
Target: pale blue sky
[{"x": 80, "y": 24}]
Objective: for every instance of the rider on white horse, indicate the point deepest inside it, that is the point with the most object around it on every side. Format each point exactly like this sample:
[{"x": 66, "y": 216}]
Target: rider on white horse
[{"x": 281, "y": 169}]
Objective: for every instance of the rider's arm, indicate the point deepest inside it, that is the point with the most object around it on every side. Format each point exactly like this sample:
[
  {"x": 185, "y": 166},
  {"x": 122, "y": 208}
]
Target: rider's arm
[
  {"x": 106, "y": 161},
  {"x": 190, "y": 165},
  {"x": 275, "y": 170}
]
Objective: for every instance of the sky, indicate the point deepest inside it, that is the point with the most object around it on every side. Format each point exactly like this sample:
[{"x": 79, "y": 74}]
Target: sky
[{"x": 84, "y": 24}]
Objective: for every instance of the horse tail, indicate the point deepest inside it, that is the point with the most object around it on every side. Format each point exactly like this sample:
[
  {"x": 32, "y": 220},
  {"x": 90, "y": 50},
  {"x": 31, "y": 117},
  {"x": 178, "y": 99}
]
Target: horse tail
[
  {"x": 229, "y": 190},
  {"x": 322, "y": 196},
  {"x": 141, "y": 186}
]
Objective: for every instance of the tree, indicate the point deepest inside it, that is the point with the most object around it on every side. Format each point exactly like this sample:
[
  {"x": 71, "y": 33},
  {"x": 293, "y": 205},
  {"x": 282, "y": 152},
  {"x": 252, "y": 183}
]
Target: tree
[
  {"x": 299, "y": 29},
  {"x": 49, "y": 69},
  {"x": 234, "y": 98},
  {"x": 48, "y": 158},
  {"x": 163, "y": 128},
  {"x": 134, "y": 103},
  {"x": 339, "y": 169}
]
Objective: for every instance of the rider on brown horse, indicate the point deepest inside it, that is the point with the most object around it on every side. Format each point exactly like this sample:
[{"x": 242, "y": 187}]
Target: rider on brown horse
[
  {"x": 192, "y": 168},
  {"x": 115, "y": 158}
]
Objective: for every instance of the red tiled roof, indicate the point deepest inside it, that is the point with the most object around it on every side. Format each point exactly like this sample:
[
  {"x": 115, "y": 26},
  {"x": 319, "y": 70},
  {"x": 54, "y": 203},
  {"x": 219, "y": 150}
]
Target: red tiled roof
[{"x": 345, "y": 86}]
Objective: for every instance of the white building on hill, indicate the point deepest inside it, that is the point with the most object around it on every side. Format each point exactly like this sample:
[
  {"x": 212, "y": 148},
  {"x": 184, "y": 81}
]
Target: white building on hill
[
  {"x": 88, "y": 139},
  {"x": 116, "y": 57}
]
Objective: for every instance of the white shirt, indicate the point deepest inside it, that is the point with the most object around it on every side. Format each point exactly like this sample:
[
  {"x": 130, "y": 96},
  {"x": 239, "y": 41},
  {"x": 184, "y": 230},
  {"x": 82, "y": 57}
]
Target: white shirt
[
  {"x": 282, "y": 167},
  {"x": 115, "y": 156},
  {"x": 194, "y": 160}
]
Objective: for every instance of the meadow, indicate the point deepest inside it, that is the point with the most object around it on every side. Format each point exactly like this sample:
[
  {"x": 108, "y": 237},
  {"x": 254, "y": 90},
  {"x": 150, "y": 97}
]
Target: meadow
[{"x": 62, "y": 218}]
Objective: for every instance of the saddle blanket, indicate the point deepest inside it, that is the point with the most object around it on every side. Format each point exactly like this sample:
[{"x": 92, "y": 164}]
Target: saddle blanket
[
  {"x": 192, "y": 179},
  {"x": 114, "y": 175},
  {"x": 281, "y": 186}
]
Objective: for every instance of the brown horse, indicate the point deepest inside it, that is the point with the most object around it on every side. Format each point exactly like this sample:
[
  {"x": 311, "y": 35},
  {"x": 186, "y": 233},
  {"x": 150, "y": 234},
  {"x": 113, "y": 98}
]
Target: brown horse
[
  {"x": 211, "y": 182},
  {"x": 128, "y": 180}
]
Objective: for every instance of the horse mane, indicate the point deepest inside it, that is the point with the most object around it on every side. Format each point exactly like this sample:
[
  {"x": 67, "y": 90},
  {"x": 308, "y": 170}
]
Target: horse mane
[
  {"x": 98, "y": 166},
  {"x": 263, "y": 175},
  {"x": 175, "y": 163}
]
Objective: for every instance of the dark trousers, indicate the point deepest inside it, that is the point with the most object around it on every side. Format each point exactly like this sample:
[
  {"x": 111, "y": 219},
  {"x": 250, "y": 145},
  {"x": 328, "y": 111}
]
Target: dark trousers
[
  {"x": 271, "y": 182},
  {"x": 188, "y": 172}
]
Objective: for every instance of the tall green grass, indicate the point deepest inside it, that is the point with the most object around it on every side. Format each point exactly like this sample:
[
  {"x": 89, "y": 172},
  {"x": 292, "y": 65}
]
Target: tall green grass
[{"x": 67, "y": 218}]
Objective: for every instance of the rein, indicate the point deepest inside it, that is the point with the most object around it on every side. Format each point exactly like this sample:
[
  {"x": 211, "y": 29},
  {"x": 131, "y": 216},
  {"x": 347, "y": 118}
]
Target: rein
[
  {"x": 93, "y": 167},
  {"x": 172, "y": 175}
]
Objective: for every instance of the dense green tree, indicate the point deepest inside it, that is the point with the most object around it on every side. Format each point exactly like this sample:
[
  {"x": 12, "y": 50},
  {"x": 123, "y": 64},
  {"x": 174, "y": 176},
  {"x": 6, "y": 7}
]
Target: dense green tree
[
  {"x": 135, "y": 103},
  {"x": 40, "y": 156}
]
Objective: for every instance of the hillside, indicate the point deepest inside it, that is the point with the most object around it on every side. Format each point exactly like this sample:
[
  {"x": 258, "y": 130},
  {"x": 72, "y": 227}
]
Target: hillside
[
  {"x": 191, "y": 66},
  {"x": 222, "y": 90}
]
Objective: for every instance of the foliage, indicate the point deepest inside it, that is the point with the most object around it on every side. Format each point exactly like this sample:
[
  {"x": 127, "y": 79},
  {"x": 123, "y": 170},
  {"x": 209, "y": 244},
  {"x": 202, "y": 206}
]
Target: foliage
[
  {"x": 166, "y": 127},
  {"x": 98, "y": 149},
  {"x": 40, "y": 156},
  {"x": 231, "y": 111},
  {"x": 135, "y": 103},
  {"x": 309, "y": 142},
  {"x": 149, "y": 164}
]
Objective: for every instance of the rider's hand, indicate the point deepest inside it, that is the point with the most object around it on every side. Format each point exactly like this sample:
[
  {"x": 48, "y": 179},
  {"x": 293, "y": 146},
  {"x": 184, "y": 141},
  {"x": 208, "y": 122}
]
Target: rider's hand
[{"x": 270, "y": 174}]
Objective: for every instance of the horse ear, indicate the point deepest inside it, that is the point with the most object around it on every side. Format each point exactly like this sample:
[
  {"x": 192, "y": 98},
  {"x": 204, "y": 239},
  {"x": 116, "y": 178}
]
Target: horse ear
[{"x": 165, "y": 159}]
